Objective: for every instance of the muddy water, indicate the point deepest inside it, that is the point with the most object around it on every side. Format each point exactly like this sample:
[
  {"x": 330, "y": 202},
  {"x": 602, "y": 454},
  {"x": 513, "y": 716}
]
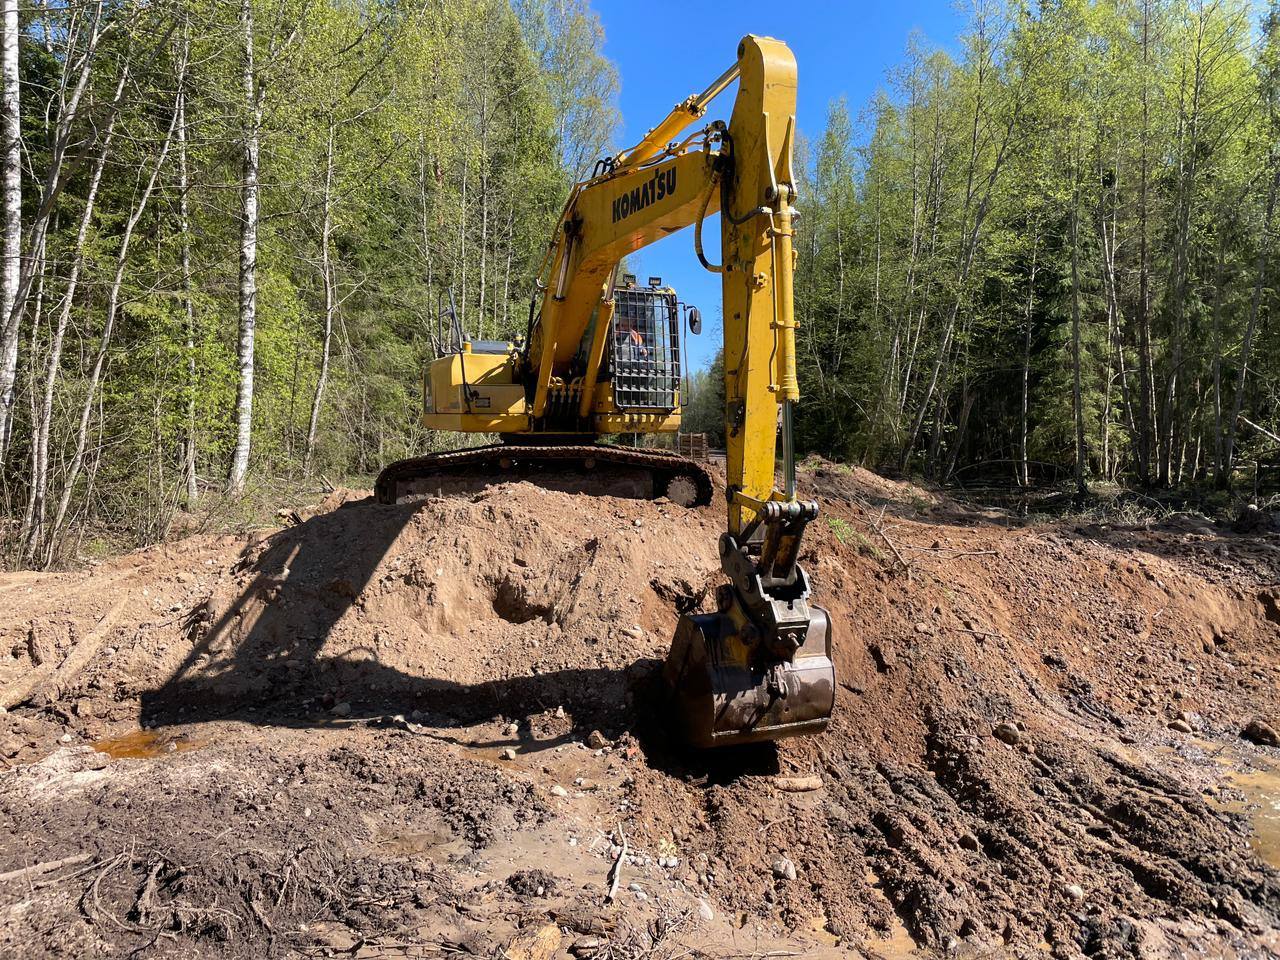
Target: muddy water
[
  {"x": 144, "y": 745},
  {"x": 1261, "y": 788}
]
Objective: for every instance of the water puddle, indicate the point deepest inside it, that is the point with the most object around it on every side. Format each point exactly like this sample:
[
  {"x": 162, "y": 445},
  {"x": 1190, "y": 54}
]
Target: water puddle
[
  {"x": 897, "y": 943},
  {"x": 145, "y": 745},
  {"x": 1261, "y": 789}
]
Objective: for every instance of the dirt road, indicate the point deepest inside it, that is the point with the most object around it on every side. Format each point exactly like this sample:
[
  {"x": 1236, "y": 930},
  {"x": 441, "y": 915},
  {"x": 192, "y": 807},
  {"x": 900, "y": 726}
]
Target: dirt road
[{"x": 431, "y": 730}]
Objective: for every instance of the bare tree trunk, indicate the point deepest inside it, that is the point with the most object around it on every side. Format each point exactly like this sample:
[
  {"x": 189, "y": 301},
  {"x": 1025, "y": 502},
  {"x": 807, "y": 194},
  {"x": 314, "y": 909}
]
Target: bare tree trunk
[
  {"x": 188, "y": 303},
  {"x": 11, "y": 232},
  {"x": 1219, "y": 474},
  {"x": 253, "y": 95},
  {"x": 1077, "y": 399},
  {"x": 330, "y": 304},
  {"x": 1026, "y": 357},
  {"x": 1146, "y": 362},
  {"x": 43, "y": 425},
  {"x": 104, "y": 344},
  {"x": 1246, "y": 348},
  {"x": 68, "y": 110}
]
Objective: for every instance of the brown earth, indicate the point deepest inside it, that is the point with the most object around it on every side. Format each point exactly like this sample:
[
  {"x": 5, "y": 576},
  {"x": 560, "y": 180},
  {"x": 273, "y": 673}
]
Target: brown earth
[{"x": 425, "y": 730}]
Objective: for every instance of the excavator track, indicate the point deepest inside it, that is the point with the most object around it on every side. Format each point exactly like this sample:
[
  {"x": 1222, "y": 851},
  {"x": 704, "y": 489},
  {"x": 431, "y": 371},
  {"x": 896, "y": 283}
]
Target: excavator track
[{"x": 589, "y": 468}]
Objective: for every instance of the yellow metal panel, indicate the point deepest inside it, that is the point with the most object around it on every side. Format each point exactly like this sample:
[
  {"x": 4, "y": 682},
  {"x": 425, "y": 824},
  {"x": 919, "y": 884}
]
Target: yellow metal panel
[
  {"x": 637, "y": 423},
  {"x": 474, "y": 383},
  {"x": 475, "y": 423}
]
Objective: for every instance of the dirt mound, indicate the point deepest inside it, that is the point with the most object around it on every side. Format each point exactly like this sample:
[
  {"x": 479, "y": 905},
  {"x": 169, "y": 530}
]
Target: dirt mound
[
  {"x": 370, "y": 729},
  {"x": 446, "y": 600}
]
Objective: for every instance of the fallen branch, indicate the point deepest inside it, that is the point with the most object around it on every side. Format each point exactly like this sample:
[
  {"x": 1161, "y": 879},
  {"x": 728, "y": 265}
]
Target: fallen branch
[
  {"x": 797, "y": 784},
  {"x": 47, "y": 867},
  {"x": 980, "y": 633},
  {"x": 877, "y": 526},
  {"x": 28, "y": 685},
  {"x": 953, "y": 554},
  {"x": 615, "y": 873},
  {"x": 1262, "y": 430}
]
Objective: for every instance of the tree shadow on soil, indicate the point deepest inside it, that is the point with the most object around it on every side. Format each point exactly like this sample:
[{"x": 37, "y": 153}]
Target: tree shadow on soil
[{"x": 275, "y": 675}]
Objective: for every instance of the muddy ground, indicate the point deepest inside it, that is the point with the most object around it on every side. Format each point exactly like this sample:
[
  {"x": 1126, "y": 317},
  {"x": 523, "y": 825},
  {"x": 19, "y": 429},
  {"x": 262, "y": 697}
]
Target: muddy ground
[{"x": 429, "y": 730}]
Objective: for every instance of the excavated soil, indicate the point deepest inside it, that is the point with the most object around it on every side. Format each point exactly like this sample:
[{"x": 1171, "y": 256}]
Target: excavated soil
[{"x": 432, "y": 729}]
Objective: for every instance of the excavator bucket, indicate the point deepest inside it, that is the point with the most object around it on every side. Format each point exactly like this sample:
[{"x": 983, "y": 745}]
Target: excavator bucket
[
  {"x": 759, "y": 668},
  {"x": 725, "y": 692}
]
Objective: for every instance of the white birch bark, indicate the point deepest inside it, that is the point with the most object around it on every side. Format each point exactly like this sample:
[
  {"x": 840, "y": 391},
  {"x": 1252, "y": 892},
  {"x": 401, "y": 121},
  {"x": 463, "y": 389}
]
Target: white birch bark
[
  {"x": 253, "y": 94},
  {"x": 11, "y": 230}
]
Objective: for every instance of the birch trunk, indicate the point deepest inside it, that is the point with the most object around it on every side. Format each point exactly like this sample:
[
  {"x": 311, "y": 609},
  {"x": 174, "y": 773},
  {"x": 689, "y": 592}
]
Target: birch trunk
[
  {"x": 253, "y": 95},
  {"x": 43, "y": 425},
  {"x": 11, "y": 232},
  {"x": 330, "y": 306}
]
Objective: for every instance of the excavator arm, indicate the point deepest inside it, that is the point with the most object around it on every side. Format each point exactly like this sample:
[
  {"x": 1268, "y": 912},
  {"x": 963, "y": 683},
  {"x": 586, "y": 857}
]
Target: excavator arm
[{"x": 759, "y": 667}]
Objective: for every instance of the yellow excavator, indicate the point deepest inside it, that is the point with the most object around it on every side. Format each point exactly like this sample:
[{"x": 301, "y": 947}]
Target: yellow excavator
[{"x": 602, "y": 356}]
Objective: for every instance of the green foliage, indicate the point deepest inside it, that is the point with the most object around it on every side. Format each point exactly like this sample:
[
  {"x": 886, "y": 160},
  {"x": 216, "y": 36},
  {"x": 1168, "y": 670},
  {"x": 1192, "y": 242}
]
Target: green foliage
[
  {"x": 1091, "y": 159},
  {"x": 439, "y": 139},
  {"x": 704, "y": 402}
]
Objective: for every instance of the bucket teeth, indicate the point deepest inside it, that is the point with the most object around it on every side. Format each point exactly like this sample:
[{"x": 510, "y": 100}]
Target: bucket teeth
[{"x": 728, "y": 689}]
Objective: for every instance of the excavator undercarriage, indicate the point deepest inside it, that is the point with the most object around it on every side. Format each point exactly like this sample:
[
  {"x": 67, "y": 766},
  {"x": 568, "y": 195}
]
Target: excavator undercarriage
[{"x": 574, "y": 468}]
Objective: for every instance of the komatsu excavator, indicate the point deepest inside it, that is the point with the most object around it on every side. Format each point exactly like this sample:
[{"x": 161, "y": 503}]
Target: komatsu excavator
[{"x": 602, "y": 356}]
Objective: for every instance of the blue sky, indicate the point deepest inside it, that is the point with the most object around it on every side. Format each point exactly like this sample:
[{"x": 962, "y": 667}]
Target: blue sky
[{"x": 667, "y": 50}]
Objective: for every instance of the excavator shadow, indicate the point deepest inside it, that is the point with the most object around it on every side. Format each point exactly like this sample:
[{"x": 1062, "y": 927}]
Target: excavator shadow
[{"x": 266, "y": 657}]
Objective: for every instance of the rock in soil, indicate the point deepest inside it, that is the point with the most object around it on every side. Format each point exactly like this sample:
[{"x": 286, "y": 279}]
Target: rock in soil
[{"x": 1261, "y": 732}]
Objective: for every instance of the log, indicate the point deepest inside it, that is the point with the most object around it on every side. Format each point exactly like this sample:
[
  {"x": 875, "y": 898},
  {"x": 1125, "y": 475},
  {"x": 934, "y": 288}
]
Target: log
[
  {"x": 798, "y": 784},
  {"x": 77, "y": 658},
  {"x": 47, "y": 867}
]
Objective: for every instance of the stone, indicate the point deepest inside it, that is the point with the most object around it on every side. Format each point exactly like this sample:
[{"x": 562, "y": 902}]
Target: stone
[
  {"x": 969, "y": 842},
  {"x": 1180, "y": 725},
  {"x": 1260, "y": 732},
  {"x": 341, "y": 709},
  {"x": 784, "y": 869},
  {"x": 559, "y": 791},
  {"x": 597, "y": 740},
  {"x": 705, "y": 913},
  {"x": 1074, "y": 891},
  {"x": 1007, "y": 733},
  {"x": 508, "y": 754}
]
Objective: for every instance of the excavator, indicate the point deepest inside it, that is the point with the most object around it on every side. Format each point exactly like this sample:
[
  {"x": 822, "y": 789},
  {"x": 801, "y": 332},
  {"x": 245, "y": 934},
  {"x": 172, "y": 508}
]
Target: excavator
[{"x": 601, "y": 356}]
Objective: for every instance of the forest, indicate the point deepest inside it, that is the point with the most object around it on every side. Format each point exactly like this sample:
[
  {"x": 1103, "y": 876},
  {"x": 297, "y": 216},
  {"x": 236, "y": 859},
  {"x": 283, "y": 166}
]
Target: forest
[
  {"x": 1051, "y": 257},
  {"x": 1041, "y": 257},
  {"x": 235, "y": 220}
]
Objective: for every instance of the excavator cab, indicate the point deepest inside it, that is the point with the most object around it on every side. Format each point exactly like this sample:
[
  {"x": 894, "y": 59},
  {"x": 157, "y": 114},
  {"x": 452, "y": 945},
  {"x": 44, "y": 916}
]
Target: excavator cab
[{"x": 645, "y": 347}]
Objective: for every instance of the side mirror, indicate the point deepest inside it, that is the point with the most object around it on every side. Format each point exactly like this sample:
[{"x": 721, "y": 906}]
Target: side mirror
[{"x": 695, "y": 320}]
